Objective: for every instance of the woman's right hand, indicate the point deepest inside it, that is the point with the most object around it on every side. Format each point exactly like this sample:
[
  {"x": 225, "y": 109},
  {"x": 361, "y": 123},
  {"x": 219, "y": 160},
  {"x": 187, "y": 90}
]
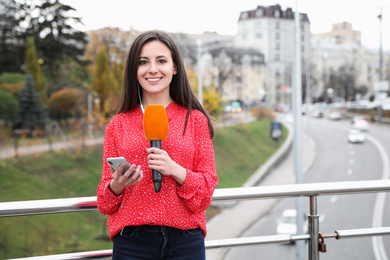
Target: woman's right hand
[{"x": 120, "y": 181}]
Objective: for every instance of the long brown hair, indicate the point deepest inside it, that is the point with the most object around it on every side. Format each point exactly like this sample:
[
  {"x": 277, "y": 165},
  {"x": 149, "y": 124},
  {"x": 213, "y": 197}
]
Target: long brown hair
[{"x": 180, "y": 89}]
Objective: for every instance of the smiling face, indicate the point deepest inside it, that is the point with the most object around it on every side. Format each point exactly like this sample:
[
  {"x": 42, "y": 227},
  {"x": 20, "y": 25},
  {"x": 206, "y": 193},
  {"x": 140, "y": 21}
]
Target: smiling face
[{"x": 155, "y": 69}]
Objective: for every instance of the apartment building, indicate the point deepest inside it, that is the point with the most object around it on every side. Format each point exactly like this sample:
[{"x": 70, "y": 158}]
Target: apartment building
[
  {"x": 271, "y": 31},
  {"x": 339, "y": 62}
]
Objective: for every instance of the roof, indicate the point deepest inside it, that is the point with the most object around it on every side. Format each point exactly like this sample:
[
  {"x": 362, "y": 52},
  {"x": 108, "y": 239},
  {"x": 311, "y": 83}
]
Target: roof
[{"x": 273, "y": 11}]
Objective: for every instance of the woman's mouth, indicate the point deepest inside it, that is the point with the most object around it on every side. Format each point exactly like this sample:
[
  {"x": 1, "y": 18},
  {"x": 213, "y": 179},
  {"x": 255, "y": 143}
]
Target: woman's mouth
[{"x": 153, "y": 79}]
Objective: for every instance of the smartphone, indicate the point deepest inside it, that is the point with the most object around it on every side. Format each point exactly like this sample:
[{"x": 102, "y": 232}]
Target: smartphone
[{"x": 116, "y": 161}]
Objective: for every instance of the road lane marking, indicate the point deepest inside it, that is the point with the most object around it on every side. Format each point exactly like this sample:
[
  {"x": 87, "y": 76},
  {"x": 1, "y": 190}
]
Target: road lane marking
[{"x": 377, "y": 241}]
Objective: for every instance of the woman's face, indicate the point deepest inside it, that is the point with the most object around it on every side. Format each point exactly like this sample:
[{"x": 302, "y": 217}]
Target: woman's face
[{"x": 155, "y": 68}]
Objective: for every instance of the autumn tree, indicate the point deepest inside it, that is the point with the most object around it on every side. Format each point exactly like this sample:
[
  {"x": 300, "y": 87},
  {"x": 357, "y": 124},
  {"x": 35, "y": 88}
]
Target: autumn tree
[
  {"x": 212, "y": 101},
  {"x": 103, "y": 81},
  {"x": 34, "y": 68},
  {"x": 65, "y": 102}
]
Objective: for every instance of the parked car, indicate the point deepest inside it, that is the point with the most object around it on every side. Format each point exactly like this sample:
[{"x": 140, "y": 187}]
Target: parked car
[
  {"x": 362, "y": 125},
  {"x": 287, "y": 224},
  {"x": 356, "y": 136}
]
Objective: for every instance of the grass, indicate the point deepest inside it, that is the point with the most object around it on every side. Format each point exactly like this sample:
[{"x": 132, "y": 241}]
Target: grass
[{"x": 239, "y": 151}]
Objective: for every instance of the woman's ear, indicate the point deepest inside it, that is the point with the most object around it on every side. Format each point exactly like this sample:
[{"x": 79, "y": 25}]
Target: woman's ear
[{"x": 174, "y": 70}]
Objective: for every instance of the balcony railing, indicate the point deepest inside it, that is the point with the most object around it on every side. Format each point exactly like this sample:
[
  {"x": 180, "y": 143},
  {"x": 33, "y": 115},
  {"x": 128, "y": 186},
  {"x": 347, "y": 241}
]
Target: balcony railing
[{"x": 312, "y": 191}]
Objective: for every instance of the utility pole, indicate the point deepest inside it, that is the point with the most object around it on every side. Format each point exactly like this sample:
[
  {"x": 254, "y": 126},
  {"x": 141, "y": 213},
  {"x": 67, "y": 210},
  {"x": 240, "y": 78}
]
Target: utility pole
[
  {"x": 380, "y": 46},
  {"x": 297, "y": 142}
]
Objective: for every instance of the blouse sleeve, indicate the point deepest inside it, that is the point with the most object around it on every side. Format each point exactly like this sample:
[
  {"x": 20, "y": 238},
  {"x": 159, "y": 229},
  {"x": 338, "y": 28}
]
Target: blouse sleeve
[
  {"x": 107, "y": 201},
  {"x": 201, "y": 181}
]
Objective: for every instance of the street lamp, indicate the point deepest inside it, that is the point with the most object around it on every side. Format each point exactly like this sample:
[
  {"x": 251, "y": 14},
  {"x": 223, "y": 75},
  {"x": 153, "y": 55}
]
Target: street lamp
[{"x": 200, "y": 83}]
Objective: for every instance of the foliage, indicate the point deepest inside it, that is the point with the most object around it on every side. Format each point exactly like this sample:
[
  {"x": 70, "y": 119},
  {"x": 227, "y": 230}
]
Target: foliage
[
  {"x": 103, "y": 81},
  {"x": 12, "y": 82},
  {"x": 212, "y": 101},
  {"x": 55, "y": 37},
  {"x": 8, "y": 105},
  {"x": 32, "y": 116},
  {"x": 34, "y": 68},
  {"x": 11, "y": 49},
  {"x": 65, "y": 102}
]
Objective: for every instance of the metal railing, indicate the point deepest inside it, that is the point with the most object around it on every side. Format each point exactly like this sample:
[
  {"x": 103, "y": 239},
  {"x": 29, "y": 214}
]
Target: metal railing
[{"x": 312, "y": 191}]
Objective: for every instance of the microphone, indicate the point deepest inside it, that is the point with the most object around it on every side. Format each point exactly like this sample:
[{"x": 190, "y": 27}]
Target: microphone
[{"x": 155, "y": 130}]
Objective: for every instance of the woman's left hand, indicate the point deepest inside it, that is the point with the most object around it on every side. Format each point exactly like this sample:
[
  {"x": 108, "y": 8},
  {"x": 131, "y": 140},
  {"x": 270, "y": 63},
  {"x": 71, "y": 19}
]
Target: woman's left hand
[{"x": 161, "y": 161}]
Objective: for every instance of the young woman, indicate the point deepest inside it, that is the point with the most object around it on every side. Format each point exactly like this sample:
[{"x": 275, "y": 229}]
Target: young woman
[{"x": 170, "y": 224}]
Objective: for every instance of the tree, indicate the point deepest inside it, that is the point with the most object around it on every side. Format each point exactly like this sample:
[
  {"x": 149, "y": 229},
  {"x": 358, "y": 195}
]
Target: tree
[
  {"x": 34, "y": 68},
  {"x": 31, "y": 116},
  {"x": 11, "y": 46},
  {"x": 65, "y": 102},
  {"x": 8, "y": 105},
  {"x": 103, "y": 81},
  {"x": 56, "y": 40}
]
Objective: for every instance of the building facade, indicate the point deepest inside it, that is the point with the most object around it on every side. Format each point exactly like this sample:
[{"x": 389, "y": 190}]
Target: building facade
[{"x": 271, "y": 31}]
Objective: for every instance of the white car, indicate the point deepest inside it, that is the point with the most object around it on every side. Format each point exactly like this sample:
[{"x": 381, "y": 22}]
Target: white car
[
  {"x": 287, "y": 224},
  {"x": 356, "y": 136},
  {"x": 362, "y": 125}
]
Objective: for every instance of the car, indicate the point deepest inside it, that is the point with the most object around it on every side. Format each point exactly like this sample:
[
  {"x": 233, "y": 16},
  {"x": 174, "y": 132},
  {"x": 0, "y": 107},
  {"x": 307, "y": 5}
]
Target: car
[
  {"x": 356, "y": 136},
  {"x": 287, "y": 224},
  {"x": 335, "y": 115},
  {"x": 317, "y": 113},
  {"x": 358, "y": 118},
  {"x": 362, "y": 125}
]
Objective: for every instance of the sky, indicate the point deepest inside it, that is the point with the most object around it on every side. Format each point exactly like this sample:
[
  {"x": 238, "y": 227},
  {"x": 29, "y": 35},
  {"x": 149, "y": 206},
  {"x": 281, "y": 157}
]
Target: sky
[{"x": 221, "y": 16}]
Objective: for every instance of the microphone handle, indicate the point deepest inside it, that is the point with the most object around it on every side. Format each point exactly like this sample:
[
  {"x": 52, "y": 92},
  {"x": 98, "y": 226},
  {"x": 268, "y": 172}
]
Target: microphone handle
[{"x": 157, "y": 179}]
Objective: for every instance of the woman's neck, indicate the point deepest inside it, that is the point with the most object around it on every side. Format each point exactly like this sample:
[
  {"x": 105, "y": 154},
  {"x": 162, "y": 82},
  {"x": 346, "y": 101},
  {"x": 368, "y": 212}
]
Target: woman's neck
[{"x": 156, "y": 101}]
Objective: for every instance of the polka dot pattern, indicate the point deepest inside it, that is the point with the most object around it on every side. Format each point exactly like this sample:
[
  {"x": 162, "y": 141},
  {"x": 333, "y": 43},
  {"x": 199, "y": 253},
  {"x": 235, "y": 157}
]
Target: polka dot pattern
[{"x": 176, "y": 206}]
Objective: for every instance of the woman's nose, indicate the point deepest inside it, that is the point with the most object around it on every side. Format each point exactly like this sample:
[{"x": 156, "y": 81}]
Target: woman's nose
[{"x": 153, "y": 67}]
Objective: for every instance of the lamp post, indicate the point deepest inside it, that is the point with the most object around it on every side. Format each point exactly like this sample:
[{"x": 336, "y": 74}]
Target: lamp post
[
  {"x": 200, "y": 83},
  {"x": 380, "y": 47}
]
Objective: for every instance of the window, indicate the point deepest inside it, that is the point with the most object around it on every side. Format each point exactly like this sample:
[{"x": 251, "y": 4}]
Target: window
[
  {"x": 259, "y": 12},
  {"x": 258, "y": 35},
  {"x": 244, "y": 15},
  {"x": 277, "y": 13}
]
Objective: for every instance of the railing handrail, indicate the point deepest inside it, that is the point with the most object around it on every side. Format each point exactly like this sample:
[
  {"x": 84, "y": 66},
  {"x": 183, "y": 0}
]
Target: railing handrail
[
  {"x": 312, "y": 190},
  {"x": 49, "y": 206}
]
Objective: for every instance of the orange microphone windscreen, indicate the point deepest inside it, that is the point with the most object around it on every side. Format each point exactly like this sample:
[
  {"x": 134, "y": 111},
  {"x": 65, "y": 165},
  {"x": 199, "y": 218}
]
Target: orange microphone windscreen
[{"x": 155, "y": 122}]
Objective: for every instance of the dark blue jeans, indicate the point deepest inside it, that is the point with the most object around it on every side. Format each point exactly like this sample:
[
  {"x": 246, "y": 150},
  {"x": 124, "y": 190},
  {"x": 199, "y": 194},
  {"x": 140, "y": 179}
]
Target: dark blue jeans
[{"x": 158, "y": 243}]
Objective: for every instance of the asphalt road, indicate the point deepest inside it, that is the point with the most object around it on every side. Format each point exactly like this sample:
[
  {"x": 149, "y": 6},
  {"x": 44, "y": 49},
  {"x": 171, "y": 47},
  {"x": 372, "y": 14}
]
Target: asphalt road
[{"x": 336, "y": 160}]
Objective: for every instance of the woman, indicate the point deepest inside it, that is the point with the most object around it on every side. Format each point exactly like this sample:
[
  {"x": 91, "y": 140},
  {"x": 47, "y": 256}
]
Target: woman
[{"x": 170, "y": 224}]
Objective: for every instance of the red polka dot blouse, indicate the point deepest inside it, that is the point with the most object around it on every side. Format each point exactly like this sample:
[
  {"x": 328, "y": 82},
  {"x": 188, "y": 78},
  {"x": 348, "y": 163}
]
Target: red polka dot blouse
[{"x": 177, "y": 206}]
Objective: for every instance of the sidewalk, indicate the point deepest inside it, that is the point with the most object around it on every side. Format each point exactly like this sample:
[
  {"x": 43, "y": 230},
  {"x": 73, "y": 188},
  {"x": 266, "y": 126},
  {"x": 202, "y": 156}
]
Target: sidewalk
[
  {"x": 22, "y": 150},
  {"x": 278, "y": 170}
]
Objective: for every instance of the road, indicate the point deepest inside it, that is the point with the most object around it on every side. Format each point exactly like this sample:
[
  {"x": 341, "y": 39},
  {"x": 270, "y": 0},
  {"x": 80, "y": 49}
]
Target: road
[{"x": 336, "y": 160}]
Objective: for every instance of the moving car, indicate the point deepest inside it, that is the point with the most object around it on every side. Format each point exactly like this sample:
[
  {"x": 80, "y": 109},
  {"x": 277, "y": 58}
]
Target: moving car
[
  {"x": 362, "y": 125},
  {"x": 287, "y": 224},
  {"x": 356, "y": 136},
  {"x": 335, "y": 115}
]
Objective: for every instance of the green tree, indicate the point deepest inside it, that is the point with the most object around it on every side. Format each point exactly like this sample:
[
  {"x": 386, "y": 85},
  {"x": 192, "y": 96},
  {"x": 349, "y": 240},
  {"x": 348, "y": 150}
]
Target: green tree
[
  {"x": 103, "y": 81},
  {"x": 11, "y": 45},
  {"x": 31, "y": 116},
  {"x": 56, "y": 40},
  {"x": 34, "y": 68},
  {"x": 8, "y": 105},
  {"x": 12, "y": 82}
]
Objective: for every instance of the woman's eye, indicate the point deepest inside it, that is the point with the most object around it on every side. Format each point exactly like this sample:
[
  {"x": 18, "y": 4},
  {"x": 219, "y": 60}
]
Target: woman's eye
[
  {"x": 142, "y": 62},
  {"x": 162, "y": 61}
]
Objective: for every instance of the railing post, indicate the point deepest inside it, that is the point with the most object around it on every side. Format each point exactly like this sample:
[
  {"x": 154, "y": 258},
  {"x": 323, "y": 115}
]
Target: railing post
[{"x": 314, "y": 229}]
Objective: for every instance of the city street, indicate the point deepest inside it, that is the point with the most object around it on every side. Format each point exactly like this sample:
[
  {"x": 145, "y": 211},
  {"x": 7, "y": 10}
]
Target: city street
[{"x": 336, "y": 160}]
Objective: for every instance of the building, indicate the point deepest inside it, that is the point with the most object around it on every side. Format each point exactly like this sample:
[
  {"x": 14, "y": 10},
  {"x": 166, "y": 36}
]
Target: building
[
  {"x": 342, "y": 33},
  {"x": 342, "y": 66},
  {"x": 271, "y": 31}
]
